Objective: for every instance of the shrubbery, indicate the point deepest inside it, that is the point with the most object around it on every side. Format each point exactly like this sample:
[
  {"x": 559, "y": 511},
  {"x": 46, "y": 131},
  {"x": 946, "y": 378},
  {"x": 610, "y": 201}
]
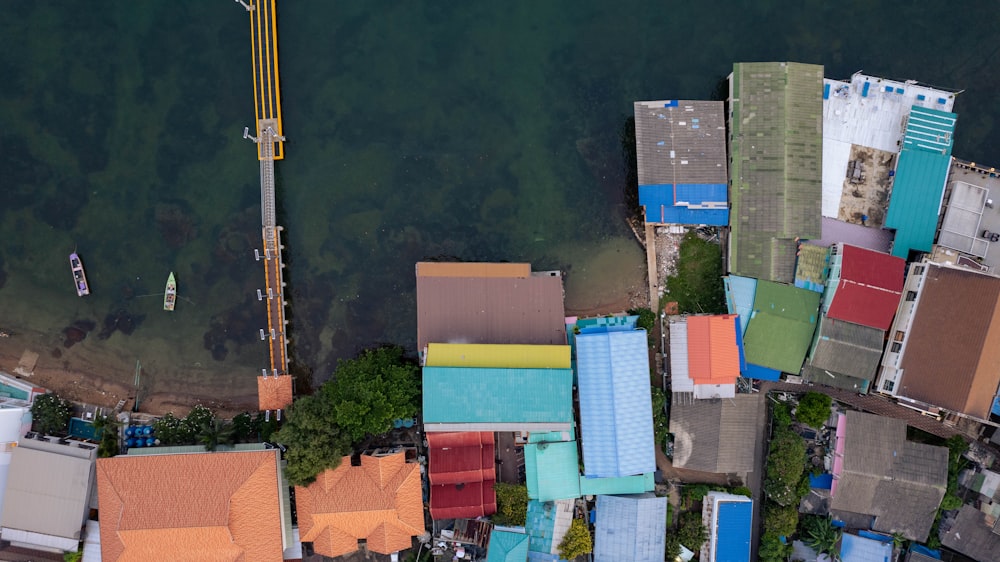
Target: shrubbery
[
  {"x": 50, "y": 414},
  {"x": 512, "y": 504}
]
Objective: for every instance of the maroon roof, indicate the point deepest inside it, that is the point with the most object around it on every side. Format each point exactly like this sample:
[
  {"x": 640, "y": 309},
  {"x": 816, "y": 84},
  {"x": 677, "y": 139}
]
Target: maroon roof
[
  {"x": 469, "y": 304},
  {"x": 869, "y": 288},
  {"x": 461, "y": 471}
]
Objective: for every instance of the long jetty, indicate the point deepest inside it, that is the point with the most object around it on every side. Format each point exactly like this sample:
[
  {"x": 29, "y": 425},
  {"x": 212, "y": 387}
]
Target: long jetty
[{"x": 274, "y": 385}]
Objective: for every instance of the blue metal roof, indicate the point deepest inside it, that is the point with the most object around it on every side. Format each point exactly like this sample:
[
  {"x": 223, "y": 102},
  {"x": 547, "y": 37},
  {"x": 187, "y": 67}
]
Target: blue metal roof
[
  {"x": 616, "y": 419},
  {"x": 482, "y": 395},
  {"x": 858, "y": 549},
  {"x": 507, "y": 546},
  {"x": 540, "y": 523},
  {"x": 740, "y": 292},
  {"x": 763, "y": 373},
  {"x": 552, "y": 471},
  {"x": 733, "y": 531},
  {"x": 694, "y": 204},
  {"x": 624, "y": 485},
  {"x": 996, "y": 406},
  {"x": 918, "y": 186},
  {"x": 630, "y": 528}
]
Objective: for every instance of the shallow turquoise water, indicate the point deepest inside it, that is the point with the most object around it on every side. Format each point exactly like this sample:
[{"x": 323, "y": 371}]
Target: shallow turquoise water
[{"x": 416, "y": 130}]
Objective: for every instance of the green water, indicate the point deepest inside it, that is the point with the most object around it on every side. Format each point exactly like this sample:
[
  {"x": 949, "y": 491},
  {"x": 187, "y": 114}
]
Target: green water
[{"x": 486, "y": 131}]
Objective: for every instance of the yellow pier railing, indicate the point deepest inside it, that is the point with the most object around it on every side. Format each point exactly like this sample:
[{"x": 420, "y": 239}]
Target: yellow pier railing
[{"x": 266, "y": 83}]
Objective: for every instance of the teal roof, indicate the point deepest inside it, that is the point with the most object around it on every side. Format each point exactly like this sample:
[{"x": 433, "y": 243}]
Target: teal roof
[
  {"x": 507, "y": 546},
  {"x": 545, "y": 523},
  {"x": 552, "y": 470},
  {"x": 484, "y": 395},
  {"x": 624, "y": 485},
  {"x": 781, "y": 326},
  {"x": 918, "y": 186}
]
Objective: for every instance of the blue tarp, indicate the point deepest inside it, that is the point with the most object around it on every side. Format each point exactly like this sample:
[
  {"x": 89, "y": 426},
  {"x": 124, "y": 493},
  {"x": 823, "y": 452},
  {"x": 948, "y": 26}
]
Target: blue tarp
[
  {"x": 763, "y": 373},
  {"x": 822, "y": 482},
  {"x": 864, "y": 90},
  {"x": 996, "y": 406}
]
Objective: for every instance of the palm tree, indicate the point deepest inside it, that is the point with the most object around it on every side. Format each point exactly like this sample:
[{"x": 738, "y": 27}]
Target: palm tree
[
  {"x": 822, "y": 536},
  {"x": 107, "y": 428},
  {"x": 215, "y": 433}
]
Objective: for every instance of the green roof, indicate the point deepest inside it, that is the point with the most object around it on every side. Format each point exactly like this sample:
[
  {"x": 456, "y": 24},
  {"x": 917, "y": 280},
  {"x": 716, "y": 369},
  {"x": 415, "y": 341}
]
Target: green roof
[
  {"x": 552, "y": 470},
  {"x": 915, "y": 199},
  {"x": 622, "y": 485},
  {"x": 781, "y": 326},
  {"x": 507, "y": 546},
  {"x": 469, "y": 395},
  {"x": 776, "y": 153}
]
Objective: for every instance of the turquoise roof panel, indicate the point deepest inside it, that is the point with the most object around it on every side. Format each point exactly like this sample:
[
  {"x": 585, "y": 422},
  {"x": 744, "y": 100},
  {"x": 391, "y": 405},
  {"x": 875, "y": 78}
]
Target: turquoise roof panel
[
  {"x": 630, "y": 528},
  {"x": 740, "y": 292},
  {"x": 507, "y": 546},
  {"x": 624, "y": 485},
  {"x": 485, "y": 395},
  {"x": 616, "y": 409},
  {"x": 552, "y": 470}
]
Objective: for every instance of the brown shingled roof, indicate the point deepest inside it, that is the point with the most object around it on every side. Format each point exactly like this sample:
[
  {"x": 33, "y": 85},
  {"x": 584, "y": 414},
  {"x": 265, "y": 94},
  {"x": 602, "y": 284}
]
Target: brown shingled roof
[
  {"x": 202, "y": 506},
  {"x": 379, "y": 501},
  {"x": 274, "y": 393},
  {"x": 952, "y": 354},
  {"x": 485, "y": 307}
]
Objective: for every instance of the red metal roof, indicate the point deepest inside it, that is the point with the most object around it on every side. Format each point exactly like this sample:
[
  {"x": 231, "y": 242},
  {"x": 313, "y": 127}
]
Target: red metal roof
[
  {"x": 869, "y": 288},
  {"x": 461, "y": 472}
]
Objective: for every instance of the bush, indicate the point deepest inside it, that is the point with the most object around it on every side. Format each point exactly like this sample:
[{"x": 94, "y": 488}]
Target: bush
[
  {"x": 50, "y": 414},
  {"x": 813, "y": 409},
  {"x": 771, "y": 549},
  {"x": 780, "y": 520},
  {"x": 692, "y": 532},
  {"x": 512, "y": 504},
  {"x": 785, "y": 464},
  {"x": 781, "y": 416},
  {"x": 742, "y": 491},
  {"x": 661, "y": 424},
  {"x": 697, "y": 286},
  {"x": 577, "y": 541}
]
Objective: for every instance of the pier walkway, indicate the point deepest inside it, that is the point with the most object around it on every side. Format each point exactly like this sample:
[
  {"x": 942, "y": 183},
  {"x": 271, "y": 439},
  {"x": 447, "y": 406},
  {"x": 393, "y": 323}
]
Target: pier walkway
[{"x": 274, "y": 385}]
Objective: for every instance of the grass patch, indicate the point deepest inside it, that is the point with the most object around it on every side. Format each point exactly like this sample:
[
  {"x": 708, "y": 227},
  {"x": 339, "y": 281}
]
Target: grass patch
[{"x": 697, "y": 286}]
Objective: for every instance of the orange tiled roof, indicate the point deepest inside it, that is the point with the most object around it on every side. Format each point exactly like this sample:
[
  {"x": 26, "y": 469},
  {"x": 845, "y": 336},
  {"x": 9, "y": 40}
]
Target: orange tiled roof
[
  {"x": 199, "y": 507},
  {"x": 274, "y": 393},
  {"x": 379, "y": 501},
  {"x": 713, "y": 354}
]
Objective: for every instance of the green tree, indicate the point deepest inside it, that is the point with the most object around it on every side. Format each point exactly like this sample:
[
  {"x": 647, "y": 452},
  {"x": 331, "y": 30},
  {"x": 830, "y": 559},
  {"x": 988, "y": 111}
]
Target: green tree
[
  {"x": 661, "y": 424},
  {"x": 243, "y": 430},
  {"x": 785, "y": 465},
  {"x": 781, "y": 416},
  {"x": 697, "y": 286},
  {"x": 821, "y": 535},
  {"x": 106, "y": 429},
  {"x": 813, "y": 409},
  {"x": 170, "y": 431},
  {"x": 50, "y": 414},
  {"x": 772, "y": 550},
  {"x": 742, "y": 491},
  {"x": 780, "y": 520},
  {"x": 196, "y": 420},
  {"x": 577, "y": 541},
  {"x": 692, "y": 532},
  {"x": 264, "y": 427},
  {"x": 673, "y": 546},
  {"x": 73, "y": 556},
  {"x": 215, "y": 433},
  {"x": 950, "y": 502},
  {"x": 313, "y": 443},
  {"x": 512, "y": 504},
  {"x": 368, "y": 393}
]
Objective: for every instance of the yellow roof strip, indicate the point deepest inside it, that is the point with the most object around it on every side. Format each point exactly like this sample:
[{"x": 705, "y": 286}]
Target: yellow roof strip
[{"x": 498, "y": 356}]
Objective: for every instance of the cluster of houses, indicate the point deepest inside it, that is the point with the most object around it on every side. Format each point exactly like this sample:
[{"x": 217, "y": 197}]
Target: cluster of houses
[{"x": 859, "y": 256}]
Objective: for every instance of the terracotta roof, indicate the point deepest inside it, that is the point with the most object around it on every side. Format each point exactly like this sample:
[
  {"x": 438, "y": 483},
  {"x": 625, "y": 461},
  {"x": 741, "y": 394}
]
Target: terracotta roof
[
  {"x": 461, "y": 472},
  {"x": 483, "y": 308},
  {"x": 204, "y": 506},
  {"x": 274, "y": 393},
  {"x": 713, "y": 356},
  {"x": 379, "y": 501},
  {"x": 869, "y": 287},
  {"x": 955, "y": 330},
  {"x": 472, "y": 269}
]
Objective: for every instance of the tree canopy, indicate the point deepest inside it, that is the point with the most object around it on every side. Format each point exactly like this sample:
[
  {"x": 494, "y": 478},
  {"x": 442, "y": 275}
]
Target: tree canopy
[
  {"x": 50, "y": 414},
  {"x": 813, "y": 409},
  {"x": 577, "y": 541},
  {"x": 512, "y": 504},
  {"x": 362, "y": 399},
  {"x": 786, "y": 462}
]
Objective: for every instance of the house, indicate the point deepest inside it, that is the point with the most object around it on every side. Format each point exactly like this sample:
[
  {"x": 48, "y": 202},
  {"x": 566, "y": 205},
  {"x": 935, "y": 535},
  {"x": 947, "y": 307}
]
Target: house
[
  {"x": 729, "y": 520},
  {"x": 377, "y": 501},
  {"x": 973, "y": 533},
  {"x": 488, "y": 399},
  {"x": 946, "y": 322},
  {"x": 488, "y": 303},
  {"x": 706, "y": 355},
  {"x": 855, "y": 548},
  {"x": 461, "y": 474},
  {"x": 616, "y": 419},
  {"x": 631, "y": 527},
  {"x": 781, "y": 327},
  {"x": 859, "y": 302},
  {"x": 775, "y": 116},
  {"x": 231, "y": 505},
  {"x": 895, "y": 483},
  {"x": 552, "y": 466},
  {"x": 719, "y": 436},
  {"x": 920, "y": 176},
  {"x": 970, "y": 216},
  {"x": 680, "y": 150},
  {"x": 864, "y": 121},
  {"x": 507, "y": 544},
  {"x": 546, "y": 525},
  {"x": 48, "y": 495},
  {"x": 274, "y": 393}
]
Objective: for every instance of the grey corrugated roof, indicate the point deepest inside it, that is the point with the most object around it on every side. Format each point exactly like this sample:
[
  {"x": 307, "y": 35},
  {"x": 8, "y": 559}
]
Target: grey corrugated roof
[
  {"x": 970, "y": 535},
  {"x": 669, "y": 132},
  {"x": 776, "y": 165},
  {"x": 630, "y": 527},
  {"x": 717, "y": 435},
  {"x": 847, "y": 348},
  {"x": 899, "y": 482}
]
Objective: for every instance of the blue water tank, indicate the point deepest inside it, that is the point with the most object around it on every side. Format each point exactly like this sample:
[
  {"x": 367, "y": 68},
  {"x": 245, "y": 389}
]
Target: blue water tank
[
  {"x": 408, "y": 422},
  {"x": 129, "y": 431},
  {"x": 130, "y": 442},
  {"x": 146, "y": 430},
  {"x": 140, "y": 442},
  {"x": 150, "y": 441}
]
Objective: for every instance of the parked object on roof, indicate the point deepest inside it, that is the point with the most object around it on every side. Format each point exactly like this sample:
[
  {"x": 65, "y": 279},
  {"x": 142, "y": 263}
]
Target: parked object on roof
[{"x": 79, "y": 275}]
